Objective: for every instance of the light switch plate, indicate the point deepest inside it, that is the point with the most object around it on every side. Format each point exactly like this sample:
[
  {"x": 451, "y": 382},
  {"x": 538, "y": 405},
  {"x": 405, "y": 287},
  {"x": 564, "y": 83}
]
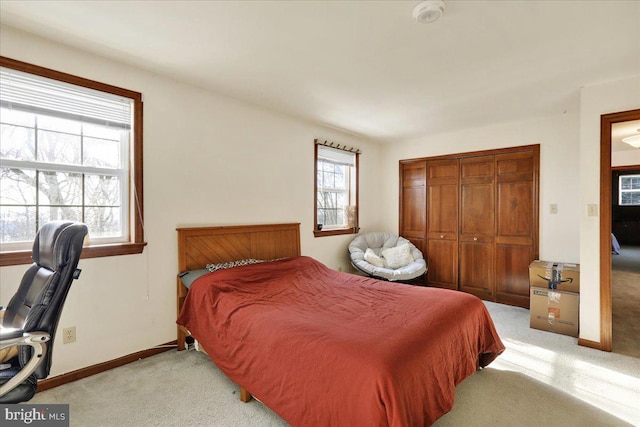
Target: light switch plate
[
  {"x": 592, "y": 209},
  {"x": 553, "y": 208}
]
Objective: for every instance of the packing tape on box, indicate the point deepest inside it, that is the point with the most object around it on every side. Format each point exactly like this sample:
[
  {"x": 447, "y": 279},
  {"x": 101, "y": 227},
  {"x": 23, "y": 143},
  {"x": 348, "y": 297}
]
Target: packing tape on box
[
  {"x": 553, "y": 276},
  {"x": 554, "y": 297},
  {"x": 553, "y": 312}
]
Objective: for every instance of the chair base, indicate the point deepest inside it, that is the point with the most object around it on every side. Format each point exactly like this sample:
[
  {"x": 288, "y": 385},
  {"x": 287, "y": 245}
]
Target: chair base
[
  {"x": 420, "y": 280},
  {"x": 23, "y": 392}
]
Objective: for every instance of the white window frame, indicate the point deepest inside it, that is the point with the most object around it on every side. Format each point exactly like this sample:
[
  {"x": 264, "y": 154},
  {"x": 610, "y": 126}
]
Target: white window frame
[
  {"x": 621, "y": 191},
  {"x": 130, "y": 172},
  {"x": 334, "y": 190},
  {"x": 350, "y": 160}
]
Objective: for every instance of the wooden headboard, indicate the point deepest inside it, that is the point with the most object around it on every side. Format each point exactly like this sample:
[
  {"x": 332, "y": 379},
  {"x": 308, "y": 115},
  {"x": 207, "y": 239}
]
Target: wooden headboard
[{"x": 199, "y": 246}]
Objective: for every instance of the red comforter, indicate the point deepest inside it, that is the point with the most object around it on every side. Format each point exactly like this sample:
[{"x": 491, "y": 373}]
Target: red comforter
[{"x": 324, "y": 348}]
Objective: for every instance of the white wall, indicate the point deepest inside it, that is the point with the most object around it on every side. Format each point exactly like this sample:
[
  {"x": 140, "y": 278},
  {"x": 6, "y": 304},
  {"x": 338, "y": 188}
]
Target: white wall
[
  {"x": 596, "y": 100},
  {"x": 559, "y": 166},
  {"x": 208, "y": 160}
]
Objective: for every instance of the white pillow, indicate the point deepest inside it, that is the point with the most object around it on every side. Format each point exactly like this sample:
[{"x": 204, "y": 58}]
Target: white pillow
[
  {"x": 373, "y": 259},
  {"x": 398, "y": 256}
]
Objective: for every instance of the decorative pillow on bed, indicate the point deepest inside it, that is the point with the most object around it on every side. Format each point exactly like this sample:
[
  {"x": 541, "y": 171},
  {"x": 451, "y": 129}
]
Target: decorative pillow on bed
[
  {"x": 398, "y": 256},
  {"x": 231, "y": 264},
  {"x": 373, "y": 259}
]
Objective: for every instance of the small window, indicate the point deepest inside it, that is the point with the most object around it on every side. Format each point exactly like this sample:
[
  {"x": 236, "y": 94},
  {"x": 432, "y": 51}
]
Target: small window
[
  {"x": 629, "y": 190},
  {"x": 336, "y": 190},
  {"x": 71, "y": 149}
]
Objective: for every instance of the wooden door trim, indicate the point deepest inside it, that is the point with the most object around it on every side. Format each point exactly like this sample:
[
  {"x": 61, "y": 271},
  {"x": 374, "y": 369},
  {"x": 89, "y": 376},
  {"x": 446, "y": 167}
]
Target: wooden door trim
[
  {"x": 464, "y": 155},
  {"x": 606, "y": 122}
]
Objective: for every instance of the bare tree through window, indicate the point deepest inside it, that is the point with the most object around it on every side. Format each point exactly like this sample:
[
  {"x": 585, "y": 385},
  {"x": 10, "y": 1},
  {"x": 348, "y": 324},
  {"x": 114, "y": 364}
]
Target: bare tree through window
[{"x": 38, "y": 190}]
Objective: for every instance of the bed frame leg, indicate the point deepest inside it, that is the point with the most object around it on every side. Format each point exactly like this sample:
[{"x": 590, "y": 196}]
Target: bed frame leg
[
  {"x": 245, "y": 396},
  {"x": 182, "y": 337}
]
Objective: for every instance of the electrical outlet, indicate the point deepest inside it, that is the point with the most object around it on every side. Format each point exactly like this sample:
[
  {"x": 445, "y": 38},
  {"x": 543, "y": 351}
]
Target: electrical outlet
[{"x": 69, "y": 335}]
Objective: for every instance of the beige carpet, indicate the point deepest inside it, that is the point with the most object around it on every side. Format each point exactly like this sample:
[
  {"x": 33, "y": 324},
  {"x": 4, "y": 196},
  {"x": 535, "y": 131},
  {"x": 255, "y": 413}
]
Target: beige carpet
[
  {"x": 625, "y": 312},
  {"x": 627, "y": 260},
  {"x": 542, "y": 379}
]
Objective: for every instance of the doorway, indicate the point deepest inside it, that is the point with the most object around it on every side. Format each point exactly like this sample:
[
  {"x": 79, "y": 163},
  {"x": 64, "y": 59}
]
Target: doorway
[{"x": 618, "y": 297}]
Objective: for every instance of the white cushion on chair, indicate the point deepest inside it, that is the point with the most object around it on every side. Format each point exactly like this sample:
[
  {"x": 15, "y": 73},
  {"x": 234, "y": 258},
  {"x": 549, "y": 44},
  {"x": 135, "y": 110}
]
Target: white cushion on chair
[
  {"x": 397, "y": 257},
  {"x": 378, "y": 242},
  {"x": 373, "y": 259}
]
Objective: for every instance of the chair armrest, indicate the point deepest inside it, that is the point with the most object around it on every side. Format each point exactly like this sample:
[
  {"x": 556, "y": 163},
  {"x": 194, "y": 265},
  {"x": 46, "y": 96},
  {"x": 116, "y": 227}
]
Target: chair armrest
[
  {"x": 37, "y": 341},
  {"x": 9, "y": 334}
]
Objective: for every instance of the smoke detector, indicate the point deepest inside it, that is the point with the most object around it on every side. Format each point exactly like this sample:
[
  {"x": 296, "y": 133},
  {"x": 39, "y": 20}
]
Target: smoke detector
[{"x": 428, "y": 11}]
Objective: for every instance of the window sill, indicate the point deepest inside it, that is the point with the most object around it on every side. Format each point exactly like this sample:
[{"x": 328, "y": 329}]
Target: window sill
[
  {"x": 24, "y": 257},
  {"x": 336, "y": 232}
]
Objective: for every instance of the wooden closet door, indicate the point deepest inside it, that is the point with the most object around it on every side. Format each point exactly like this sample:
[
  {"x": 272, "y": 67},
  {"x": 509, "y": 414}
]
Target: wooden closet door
[
  {"x": 477, "y": 226},
  {"x": 516, "y": 224},
  {"x": 442, "y": 223},
  {"x": 413, "y": 205}
]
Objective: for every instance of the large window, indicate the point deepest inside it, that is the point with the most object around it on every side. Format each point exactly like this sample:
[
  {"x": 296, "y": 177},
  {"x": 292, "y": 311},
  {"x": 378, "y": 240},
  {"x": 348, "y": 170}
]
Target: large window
[
  {"x": 71, "y": 149},
  {"x": 629, "y": 190},
  {"x": 336, "y": 190}
]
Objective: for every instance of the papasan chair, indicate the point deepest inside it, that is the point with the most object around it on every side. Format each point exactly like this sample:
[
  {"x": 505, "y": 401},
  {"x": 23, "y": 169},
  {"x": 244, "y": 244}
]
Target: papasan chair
[{"x": 387, "y": 256}]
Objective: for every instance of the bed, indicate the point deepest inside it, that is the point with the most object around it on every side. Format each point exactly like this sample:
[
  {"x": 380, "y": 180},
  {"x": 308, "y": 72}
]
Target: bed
[{"x": 322, "y": 347}]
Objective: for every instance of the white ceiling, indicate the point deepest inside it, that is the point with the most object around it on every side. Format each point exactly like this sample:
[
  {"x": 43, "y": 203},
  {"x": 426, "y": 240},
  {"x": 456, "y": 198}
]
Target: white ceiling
[{"x": 365, "y": 67}]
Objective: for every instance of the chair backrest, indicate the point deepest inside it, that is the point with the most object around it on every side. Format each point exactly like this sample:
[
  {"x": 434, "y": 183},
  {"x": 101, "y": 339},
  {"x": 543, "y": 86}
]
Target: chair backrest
[
  {"x": 378, "y": 240},
  {"x": 38, "y": 303}
]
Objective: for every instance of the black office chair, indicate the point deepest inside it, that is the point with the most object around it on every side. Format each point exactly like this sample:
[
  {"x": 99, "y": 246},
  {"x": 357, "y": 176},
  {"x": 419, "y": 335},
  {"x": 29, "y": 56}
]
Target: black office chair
[{"x": 31, "y": 318}]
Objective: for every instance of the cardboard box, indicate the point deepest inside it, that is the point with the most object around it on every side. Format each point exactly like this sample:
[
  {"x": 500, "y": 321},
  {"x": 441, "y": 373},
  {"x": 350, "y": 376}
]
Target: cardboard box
[
  {"x": 555, "y": 275},
  {"x": 555, "y": 311}
]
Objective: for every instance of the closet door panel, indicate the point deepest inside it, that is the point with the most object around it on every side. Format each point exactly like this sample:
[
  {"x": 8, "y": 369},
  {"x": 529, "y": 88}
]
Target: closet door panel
[
  {"x": 413, "y": 196},
  {"x": 414, "y": 215},
  {"x": 515, "y": 215},
  {"x": 512, "y": 281},
  {"x": 442, "y": 223},
  {"x": 443, "y": 263},
  {"x": 477, "y": 226},
  {"x": 442, "y": 171},
  {"x": 477, "y": 201},
  {"x": 477, "y": 269},
  {"x": 516, "y": 224},
  {"x": 443, "y": 210},
  {"x": 477, "y": 209}
]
